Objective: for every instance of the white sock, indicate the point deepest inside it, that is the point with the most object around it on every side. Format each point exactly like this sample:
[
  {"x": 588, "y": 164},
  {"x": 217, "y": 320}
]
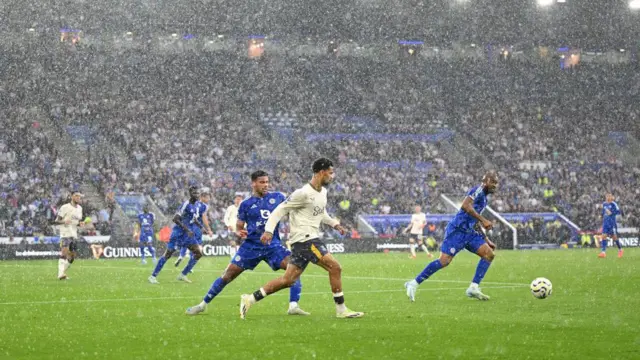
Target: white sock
[
  {"x": 413, "y": 249},
  {"x": 293, "y": 305},
  {"x": 61, "y": 267},
  {"x": 474, "y": 285},
  {"x": 203, "y": 304},
  {"x": 413, "y": 282},
  {"x": 424, "y": 247},
  {"x": 66, "y": 265},
  {"x": 179, "y": 257},
  {"x": 340, "y": 308}
]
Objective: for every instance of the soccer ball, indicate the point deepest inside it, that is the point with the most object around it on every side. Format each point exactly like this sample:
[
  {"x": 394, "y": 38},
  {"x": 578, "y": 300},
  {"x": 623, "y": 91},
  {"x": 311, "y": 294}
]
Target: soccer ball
[{"x": 541, "y": 288}]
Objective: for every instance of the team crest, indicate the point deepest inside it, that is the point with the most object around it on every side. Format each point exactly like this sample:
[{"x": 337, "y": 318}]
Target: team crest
[
  {"x": 265, "y": 214},
  {"x": 238, "y": 258},
  {"x": 272, "y": 201}
]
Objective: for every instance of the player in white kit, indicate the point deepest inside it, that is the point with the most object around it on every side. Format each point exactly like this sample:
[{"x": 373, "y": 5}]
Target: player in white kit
[
  {"x": 416, "y": 231},
  {"x": 69, "y": 217},
  {"x": 306, "y": 210}
]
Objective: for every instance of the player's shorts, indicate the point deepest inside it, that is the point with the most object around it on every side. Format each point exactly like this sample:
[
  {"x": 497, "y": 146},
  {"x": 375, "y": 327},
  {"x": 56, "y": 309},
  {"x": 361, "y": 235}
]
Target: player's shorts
[
  {"x": 455, "y": 240},
  {"x": 146, "y": 237},
  {"x": 249, "y": 255},
  {"x": 610, "y": 230},
  {"x": 68, "y": 242},
  {"x": 415, "y": 237},
  {"x": 179, "y": 239},
  {"x": 308, "y": 251},
  {"x": 197, "y": 234}
]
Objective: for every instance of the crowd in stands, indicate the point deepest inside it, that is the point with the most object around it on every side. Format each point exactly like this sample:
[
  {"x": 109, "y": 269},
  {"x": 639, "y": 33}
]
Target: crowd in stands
[{"x": 175, "y": 120}]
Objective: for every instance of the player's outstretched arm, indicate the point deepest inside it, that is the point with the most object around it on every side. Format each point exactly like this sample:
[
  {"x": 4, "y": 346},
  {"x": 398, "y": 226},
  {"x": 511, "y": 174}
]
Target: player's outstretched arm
[{"x": 240, "y": 230}]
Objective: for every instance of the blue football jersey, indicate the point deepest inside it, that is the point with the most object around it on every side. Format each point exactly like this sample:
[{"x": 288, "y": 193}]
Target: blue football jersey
[
  {"x": 609, "y": 212},
  {"x": 255, "y": 211},
  {"x": 146, "y": 220},
  {"x": 202, "y": 211},
  {"x": 189, "y": 215},
  {"x": 464, "y": 221}
]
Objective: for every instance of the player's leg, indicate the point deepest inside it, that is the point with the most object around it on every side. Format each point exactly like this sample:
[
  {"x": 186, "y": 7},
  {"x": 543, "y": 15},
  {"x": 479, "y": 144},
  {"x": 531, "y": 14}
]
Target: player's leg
[
  {"x": 63, "y": 262},
  {"x": 278, "y": 259},
  {"x": 171, "y": 248},
  {"x": 423, "y": 246},
  {"x": 196, "y": 254},
  {"x": 230, "y": 273},
  {"x": 412, "y": 247},
  {"x": 291, "y": 275},
  {"x": 603, "y": 244},
  {"x": 617, "y": 242},
  {"x": 181, "y": 255},
  {"x": 333, "y": 267},
  {"x": 452, "y": 244},
  {"x": 482, "y": 249},
  {"x": 141, "y": 244}
]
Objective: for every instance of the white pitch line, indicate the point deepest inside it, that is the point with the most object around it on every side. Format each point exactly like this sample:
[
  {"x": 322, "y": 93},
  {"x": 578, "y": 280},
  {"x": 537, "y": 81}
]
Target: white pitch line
[
  {"x": 304, "y": 275},
  {"x": 226, "y": 296}
]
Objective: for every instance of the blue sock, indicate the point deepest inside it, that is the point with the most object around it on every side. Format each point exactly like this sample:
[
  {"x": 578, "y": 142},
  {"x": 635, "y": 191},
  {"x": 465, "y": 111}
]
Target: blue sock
[
  {"x": 159, "y": 266},
  {"x": 604, "y": 245},
  {"x": 294, "y": 291},
  {"x": 142, "y": 252},
  {"x": 433, "y": 266},
  {"x": 215, "y": 289},
  {"x": 152, "y": 250},
  {"x": 183, "y": 251},
  {"x": 618, "y": 245},
  {"x": 481, "y": 270},
  {"x": 192, "y": 262}
]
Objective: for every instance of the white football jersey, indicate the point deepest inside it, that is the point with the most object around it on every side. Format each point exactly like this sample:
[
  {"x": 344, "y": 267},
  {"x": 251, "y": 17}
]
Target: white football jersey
[{"x": 73, "y": 213}]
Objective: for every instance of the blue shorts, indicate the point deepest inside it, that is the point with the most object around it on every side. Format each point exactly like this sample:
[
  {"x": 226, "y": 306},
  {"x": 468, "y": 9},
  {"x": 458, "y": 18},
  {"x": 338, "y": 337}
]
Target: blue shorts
[
  {"x": 455, "y": 240},
  {"x": 250, "y": 255},
  {"x": 146, "y": 237},
  {"x": 179, "y": 239},
  {"x": 610, "y": 230},
  {"x": 197, "y": 234}
]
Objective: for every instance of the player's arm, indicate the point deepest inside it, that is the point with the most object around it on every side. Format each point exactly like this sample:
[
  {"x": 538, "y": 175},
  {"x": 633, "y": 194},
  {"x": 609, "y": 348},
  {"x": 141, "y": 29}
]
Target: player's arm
[
  {"x": 297, "y": 200},
  {"x": 616, "y": 209},
  {"x": 482, "y": 231},
  {"x": 227, "y": 219},
  {"x": 136, "y": 231},
  {"x": 60, "y": 217},
  {"x": 240, "y": 230},
  {"x": 328, "y": 220},
  {"x": 406, "y": 230},
  {"x": 177, "y": 219},
  {"x": 467, "y": 206},
  {"x": 205, "y": 222}
]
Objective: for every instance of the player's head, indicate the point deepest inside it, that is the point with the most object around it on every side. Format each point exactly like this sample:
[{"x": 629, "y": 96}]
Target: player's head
[
  {"x": 259, "y": 182},
  {"x": 490, "y": 182},
  {"x": 417, "y": 209},
  {"x": 205, "y": 197},
  {"x": 323, "y": 169},
  {"x": 145, "y": 209},
  {"x": 194, "y": 193},
  {"x": 609, "y": 197},
  {"x": 76, "y": 197}
]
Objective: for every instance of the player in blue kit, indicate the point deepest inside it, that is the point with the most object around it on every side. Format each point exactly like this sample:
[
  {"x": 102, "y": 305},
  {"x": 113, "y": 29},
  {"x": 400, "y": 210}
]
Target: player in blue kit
[
  {"x": 143, "y": 233},
  {"x": 203, "y": 220},
  {"x": 467, "y": 230},
  {"x": 183, "y": 234},
  {"x": 609, "y": 225},
  {"x": 254, "y": 212}
]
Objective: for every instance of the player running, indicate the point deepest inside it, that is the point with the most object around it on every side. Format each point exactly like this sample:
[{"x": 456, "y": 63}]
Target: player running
[
  {"x": 416, "y": 228},
  {"x": 69, "y": 217},
  {"x": 306, "y": 210},
  {"x": 465, "y": 231},
  {"x": 254, "y": 212},
  {"x": 610, "y": 210},
  {"x": 143, "y": 233},
  {"x": 183, "y": 234},
  {"x": 203, "y": 220}
]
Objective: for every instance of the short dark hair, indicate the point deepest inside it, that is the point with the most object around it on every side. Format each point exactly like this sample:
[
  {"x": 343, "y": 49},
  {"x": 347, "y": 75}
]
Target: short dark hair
[
  {"x": 193, "y": 188},
  {"x": 322, "y": 164},
  {"x": 258, "y": 173}
]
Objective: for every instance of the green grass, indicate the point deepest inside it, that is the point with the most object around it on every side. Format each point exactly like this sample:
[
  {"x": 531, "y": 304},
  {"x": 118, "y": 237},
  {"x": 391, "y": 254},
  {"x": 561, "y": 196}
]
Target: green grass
[{"x": 108, "y": 311}]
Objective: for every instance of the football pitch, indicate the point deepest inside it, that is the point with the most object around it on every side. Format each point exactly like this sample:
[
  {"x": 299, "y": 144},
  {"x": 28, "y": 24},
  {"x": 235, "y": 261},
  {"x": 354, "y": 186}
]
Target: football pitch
[{"x": 107, "y": 310}]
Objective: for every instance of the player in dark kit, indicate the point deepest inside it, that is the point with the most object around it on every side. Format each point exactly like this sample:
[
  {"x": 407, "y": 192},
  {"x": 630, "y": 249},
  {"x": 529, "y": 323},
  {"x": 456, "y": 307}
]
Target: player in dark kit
[
  {"x": 143, "y": 233},
  {"x": 183, "y": 234},
  {"x": 467, "y": 230},
  {"x": 254, "y": 212}
]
